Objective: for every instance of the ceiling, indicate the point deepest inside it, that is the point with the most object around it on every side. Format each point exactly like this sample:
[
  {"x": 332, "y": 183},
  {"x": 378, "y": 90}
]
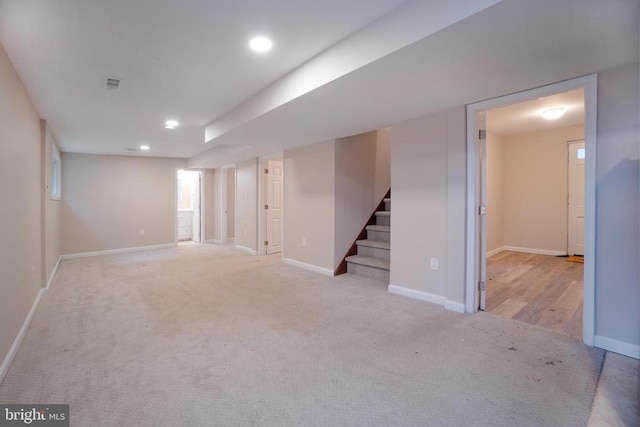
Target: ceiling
[
  {"x": 337, "y": 68},
  {"x": 527, "y": 116}
]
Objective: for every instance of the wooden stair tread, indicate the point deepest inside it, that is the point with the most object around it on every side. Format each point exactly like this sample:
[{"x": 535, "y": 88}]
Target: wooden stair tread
[
  {"x": 374, "y": 244},
  {"x": 383, "y": 213},
  {"x": 387, "y": 200},
  {"x": 369, "y": 261}
]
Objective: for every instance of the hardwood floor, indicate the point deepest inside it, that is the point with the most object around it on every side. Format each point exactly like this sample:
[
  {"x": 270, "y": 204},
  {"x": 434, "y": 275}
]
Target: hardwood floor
[{"x": 538, "y": 289}]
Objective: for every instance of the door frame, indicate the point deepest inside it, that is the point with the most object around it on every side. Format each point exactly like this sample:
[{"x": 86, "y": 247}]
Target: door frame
[
  {"x": 224, "y": 238},
  {"x": 262, "y": 197},
  {"x": 202, "y": 202},
  {"x": 589, "y": 84}
]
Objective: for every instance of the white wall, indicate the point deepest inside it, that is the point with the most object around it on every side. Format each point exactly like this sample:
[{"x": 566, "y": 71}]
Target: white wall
[
  {"x": 107, "y": 200},
  {"x": 617, "y": 206},
  {"x": 309, "y": 204},
  {"x": 21, "y": 252},
  {"x": 247, "y": 204},
  {"x": 535, "y": 188},
  {"x": 355, "y": 188},
  {"x": 419, "y": 197},
  {"x": 495, "y": 191},
  {"x": 383, "y": 164}
]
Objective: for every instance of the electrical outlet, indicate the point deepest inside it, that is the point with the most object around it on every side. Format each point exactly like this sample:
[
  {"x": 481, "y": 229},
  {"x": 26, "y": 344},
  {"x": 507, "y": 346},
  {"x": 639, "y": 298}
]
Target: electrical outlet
[
  {"x": 434, "y": 263},
  {"x": 141, "y": 232},
  {"x": 304, "y": 242},
  {"x": 245, "y": 232}
]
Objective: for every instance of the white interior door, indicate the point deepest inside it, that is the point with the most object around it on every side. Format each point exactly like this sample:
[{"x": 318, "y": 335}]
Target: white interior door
[
  {"x": 482, "y": 211},
  {"x": 274, "y": 206},
  {"x": 195, "y": 197},
  {"x": 576, "y": 197}
]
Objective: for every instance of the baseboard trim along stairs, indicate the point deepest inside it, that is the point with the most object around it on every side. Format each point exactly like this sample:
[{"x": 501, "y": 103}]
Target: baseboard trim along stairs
[{"x": 373, "y": 247}]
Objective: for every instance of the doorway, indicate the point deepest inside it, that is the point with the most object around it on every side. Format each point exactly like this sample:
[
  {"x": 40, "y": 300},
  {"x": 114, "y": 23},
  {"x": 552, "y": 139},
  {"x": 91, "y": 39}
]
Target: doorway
[
  {"x": 533, "y": 256},
  {"x": 189, "y": 206}
]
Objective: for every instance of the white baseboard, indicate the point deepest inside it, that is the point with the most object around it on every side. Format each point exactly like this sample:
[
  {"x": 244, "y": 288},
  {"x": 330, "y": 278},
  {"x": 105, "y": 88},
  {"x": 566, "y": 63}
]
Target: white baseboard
[
  {"x": 119, "y": 251},
  {"x": 4, "y": 368},
  {"x": 214, "y": 241},
  {"x": 458, "y": 307},
  {"x": 620, "y": 347},
  {"x": 533, "y": 251},
  {"x": 245, "y": 249},
  {"x": 495, "y": 251},
  {"x": 321, "y": 270},
  {"x": 53, "y": 273}
]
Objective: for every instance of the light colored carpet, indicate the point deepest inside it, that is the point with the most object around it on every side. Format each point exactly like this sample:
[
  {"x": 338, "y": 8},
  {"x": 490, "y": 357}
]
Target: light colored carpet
[{"x": 204, "y": 335}]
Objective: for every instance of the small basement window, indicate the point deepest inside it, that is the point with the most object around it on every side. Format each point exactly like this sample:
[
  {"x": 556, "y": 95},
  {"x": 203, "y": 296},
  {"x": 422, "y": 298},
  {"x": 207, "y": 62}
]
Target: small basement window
[{"x": 56, "y": 173}]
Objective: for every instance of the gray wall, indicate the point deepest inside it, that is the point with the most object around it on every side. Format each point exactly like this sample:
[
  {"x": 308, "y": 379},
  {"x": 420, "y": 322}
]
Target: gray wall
[
  {"x": 309, "y": 204},
  {"x": 617, "y": 206},
  {"x": 362, "y": 170},
  {"x": 107, "y": 200},
  {"x": 21, "y": 214},
  {"x": 247, "y": 204}
]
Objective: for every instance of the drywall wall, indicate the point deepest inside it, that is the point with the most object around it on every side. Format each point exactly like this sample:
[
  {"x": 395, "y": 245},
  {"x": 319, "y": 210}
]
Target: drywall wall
[
  {"x": 21, "y": 218},
  {"x": 212, "y": 205},
  {"x": 535, "y": 188},
  {"x": 495, "y": 191},
  {"x": 108, "y": 200},
  {"x": 419, "y": 197},
  {"x": 51, "y": 207},
  {"x": 231, "y": 203},
  {"x": 309, "y": 205},
  {"x": 247, "y": 204},
  {"x": 383, "y": 164},
  {"x": 355, "y": 185},
  {"x": 617, "y": 206}
]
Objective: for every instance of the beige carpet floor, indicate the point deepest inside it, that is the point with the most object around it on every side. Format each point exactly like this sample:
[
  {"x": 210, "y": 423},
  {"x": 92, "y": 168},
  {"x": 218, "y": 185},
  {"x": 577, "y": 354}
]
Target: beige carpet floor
[{"x": 203, "y": 335}]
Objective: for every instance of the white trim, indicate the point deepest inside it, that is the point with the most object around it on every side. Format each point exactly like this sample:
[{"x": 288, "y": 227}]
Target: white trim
[
  {"x": 532, "y": 251},
  {"x": 216, "y": 241},
  {"x": 590, "y": 85},
  {"x": 53, "y": 274},
  {"x": 412, "y": 293},
  {"x": 458, "y": 307},
  {"x": 245, "y": 249},
  {"x": 616, "y": 346},
  {"x": 496, "y": 251},
  {"x": 6, "y": 363},
  {"x": 321, "y": 270},
  {"x": 119, "y": 251}
]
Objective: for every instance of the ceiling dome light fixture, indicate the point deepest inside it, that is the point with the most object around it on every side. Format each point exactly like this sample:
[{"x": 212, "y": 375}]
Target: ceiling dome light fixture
[
  {"x": 260, "y": 44},
  {"x": 553, "y": 113},
  {"x": 171, "y": 124},
  {"x": 145, "y": 147}
]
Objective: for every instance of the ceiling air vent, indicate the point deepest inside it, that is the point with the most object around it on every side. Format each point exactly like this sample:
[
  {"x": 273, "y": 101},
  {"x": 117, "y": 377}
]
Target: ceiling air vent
[{"x": 111, "y": 83}]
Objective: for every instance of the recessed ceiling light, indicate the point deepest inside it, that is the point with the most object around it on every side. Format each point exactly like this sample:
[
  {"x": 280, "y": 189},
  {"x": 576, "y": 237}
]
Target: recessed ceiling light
[
  {"x": 171, "y": 124},
  {"x": 553, "y": 113},
  {"x": 145, "y": 147},
  {"x": 260, "y": 44}
]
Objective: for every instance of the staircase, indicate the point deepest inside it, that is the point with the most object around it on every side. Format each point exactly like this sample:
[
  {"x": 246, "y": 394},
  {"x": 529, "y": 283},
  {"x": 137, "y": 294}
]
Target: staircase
[{"x": 372, "y": 258}]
